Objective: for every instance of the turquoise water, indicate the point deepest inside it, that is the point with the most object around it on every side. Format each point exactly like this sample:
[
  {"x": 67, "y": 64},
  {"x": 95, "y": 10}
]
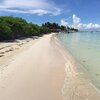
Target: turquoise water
[{"x": 85, "y": 47}]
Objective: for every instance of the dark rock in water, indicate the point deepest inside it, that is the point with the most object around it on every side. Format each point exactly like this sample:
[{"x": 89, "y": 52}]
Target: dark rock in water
[
  {"x": 84, "y": 61},
  {"x": 89, "y": 48},
  {"x": 97, "y": 74}
]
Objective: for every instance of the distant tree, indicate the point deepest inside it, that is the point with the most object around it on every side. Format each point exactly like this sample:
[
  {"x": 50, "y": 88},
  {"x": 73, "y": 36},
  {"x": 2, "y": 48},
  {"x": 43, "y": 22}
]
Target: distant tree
[
  {"x": 54, "y": 27},
  {"x": 63, "y": 28}
]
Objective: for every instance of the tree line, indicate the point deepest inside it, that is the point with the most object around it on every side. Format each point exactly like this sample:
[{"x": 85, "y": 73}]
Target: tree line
[
  {"x": 15, "y": 27},
  {"x": 54, "y": 27}
]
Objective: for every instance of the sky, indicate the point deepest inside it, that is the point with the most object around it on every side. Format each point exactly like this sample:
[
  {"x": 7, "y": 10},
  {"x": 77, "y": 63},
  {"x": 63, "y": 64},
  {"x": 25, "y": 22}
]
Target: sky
[{"x": 81, "y": 14}]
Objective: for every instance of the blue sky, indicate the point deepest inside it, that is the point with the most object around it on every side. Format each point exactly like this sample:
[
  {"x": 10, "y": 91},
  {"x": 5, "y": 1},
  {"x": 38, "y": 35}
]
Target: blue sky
[{"x": 76, "y": 13}]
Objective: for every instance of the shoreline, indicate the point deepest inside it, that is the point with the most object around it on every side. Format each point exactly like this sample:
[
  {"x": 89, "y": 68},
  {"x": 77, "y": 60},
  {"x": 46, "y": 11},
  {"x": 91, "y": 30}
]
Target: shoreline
[
  {"x": 46, "y": 70},
  {"x": 78, "y": 72}
]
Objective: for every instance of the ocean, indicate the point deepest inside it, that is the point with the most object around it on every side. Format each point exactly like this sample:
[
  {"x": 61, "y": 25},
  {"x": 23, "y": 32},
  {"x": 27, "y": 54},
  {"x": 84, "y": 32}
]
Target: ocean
[{"x": 85, "y": 48}]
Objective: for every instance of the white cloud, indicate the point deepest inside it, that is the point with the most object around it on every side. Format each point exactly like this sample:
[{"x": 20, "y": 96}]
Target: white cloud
[
  {"x": 64, "y": 22},
  {"x": 76, "y": 20},
  {"x": 39, "y": 7},
  {"x": 39, "y": 12},
  {"x": 76, "y": 23},
  {"x": 90, "y": 26}
]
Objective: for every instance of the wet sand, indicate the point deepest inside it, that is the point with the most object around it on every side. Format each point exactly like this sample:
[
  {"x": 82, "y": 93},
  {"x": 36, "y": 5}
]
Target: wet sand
[{"x": 44, "y": 71}]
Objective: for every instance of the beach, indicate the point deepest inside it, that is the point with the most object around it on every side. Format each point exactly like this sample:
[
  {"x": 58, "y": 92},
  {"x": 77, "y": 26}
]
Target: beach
[
  {"x": 43, "y": 70},
  {"x": 10, "y": 49}
]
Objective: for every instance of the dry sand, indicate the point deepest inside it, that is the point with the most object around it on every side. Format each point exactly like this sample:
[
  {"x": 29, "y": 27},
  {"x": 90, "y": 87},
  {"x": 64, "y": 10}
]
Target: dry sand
[
  {"x": 10, "y": 49},
  {"x": 35, "y": 74},
  {"x": 44, "y": 71}
]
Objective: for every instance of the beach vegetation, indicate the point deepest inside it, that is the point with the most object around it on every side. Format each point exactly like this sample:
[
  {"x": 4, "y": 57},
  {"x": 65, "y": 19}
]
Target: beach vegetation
[
  {"x": 54, "y": 27},
  {"x": 15, "y": 27}
]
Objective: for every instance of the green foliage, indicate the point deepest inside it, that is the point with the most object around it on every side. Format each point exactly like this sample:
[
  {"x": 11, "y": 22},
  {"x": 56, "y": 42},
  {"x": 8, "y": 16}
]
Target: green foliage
[
  {"x": 15, "y": 27},
  {"x": 74, "y": 30},
  {"x": 5, "y": 31},
  {"x": 54, "y": 27}
]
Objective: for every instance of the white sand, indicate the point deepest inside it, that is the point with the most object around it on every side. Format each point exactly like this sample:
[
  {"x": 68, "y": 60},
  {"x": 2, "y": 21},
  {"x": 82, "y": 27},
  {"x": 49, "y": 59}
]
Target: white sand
[
  {"x": 35, "y": 74},
  {"x": 38, "y": 73},
  {"x": 10, "y": 49}
]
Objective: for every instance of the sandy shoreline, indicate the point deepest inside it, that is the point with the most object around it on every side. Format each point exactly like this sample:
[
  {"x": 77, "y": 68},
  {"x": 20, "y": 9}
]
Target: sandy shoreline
[
  {"x": 44, "y": 71},
  {"x": 77, "y": 85}
]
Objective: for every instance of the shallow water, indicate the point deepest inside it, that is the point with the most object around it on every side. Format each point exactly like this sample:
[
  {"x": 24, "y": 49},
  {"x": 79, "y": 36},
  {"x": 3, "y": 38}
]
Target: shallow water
[{"x": 85, "y": 47}]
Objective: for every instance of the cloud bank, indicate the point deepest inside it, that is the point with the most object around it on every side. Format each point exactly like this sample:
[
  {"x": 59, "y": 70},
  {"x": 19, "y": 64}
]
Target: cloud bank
[
  {"x": 39, "y": 7},
  {"x": 76, "y": 23}
]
